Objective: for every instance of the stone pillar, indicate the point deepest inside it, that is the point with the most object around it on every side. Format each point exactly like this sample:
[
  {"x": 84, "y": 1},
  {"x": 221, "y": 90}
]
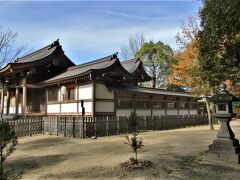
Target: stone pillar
[
  {"x": 16, "y": 101},
  {"x": 24, "y": 103}
]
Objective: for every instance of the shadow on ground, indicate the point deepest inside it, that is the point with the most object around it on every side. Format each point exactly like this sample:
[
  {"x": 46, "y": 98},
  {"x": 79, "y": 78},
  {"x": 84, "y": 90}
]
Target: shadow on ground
[
  {"x": 43, "y": 143},
  {"x": 30, "y": 163},
  {"x": 177, "y": 167}
]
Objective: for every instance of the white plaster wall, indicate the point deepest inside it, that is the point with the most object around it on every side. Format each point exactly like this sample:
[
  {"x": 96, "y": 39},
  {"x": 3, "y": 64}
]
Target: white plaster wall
[
  {"x": 53, "y": 108},
  {"x": 12, "y": 105},
  {"x": 5, "y": 105},
  {"x": 85, "y": 91},
  {"x": 172, "y": 112},
  {"x": 124, "y": 112},
  {"x": 183, "y": 112},
  {"x": 101, "y": 92},
  {"x": 69, "y": 107},
  {"x": 159, "y": 112},
  {"x": 88, "y": 107},
  {"x": 143, "y": 112},
  {"x": 11, "y": 110},
  {"x": 19, "y": 109},
  {"x": 104, "y": 106},
  {"x": 193, "y": 111}
]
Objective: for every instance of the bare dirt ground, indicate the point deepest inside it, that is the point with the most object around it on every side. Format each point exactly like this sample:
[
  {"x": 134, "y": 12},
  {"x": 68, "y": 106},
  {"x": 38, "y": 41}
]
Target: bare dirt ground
[{"x": 176, "y": 154}]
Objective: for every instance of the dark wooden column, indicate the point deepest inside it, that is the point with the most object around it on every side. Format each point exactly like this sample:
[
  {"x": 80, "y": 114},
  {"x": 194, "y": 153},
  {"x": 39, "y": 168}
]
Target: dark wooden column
[
  {"x": 16, "y": 100},
  {"x": 8, "y": 102}
]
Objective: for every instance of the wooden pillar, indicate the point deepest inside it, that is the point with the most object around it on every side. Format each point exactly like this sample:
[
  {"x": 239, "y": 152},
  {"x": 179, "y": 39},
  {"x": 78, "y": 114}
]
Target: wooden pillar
[
  {"x": 8, "y": 96},
  {"x": 2, "y": 101},
  {"x": 16, "y": 100},
  {"x": 77, "y": 88},
  {"x": 46, "y": 100},
  {"x": 24, "y": 103},
  {"x": 93, "y": 98}
]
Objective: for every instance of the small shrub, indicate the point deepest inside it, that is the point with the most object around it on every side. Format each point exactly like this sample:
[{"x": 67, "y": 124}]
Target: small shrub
[
  {"x": 8, "y": 142},
  {"x": 135, "y": 143}
]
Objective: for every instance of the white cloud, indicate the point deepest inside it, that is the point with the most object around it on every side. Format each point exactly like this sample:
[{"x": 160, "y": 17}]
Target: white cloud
[{"x": 129, "y": 15}]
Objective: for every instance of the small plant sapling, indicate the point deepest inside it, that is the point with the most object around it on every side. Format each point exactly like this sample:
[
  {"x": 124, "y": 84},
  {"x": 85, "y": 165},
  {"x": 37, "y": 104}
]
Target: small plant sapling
[{"x": 135, "y": 143}]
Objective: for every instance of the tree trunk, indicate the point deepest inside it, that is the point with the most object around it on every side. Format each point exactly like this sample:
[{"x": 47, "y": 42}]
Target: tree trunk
[
  {"x": 136, "y": 155},
  {"x": 154, "y": 77},
  {"x": 209, "y": 114}
]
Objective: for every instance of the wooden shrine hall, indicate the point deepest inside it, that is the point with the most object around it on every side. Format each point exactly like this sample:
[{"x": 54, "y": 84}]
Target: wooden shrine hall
[{"x": 47, "y": 82}]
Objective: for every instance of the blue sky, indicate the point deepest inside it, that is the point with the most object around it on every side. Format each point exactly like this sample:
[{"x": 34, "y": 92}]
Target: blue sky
[{"x": 90, "y": 30}]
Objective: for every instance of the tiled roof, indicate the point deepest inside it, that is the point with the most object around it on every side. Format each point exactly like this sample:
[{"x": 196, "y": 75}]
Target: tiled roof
[
  {"x": 82, "y": 68},
  {"x": 160, "y": 91},
  {"x": 131, "y": 65},
  {"x": 135, "y": 66},
  {"x": 39, "y": 54}
]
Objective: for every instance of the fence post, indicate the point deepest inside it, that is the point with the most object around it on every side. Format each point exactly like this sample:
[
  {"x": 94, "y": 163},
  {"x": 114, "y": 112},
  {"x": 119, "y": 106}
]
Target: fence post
[
  {"x": 50, "y": 127},
  {"x": 57, "y": 124},
  {"x": 73, "y": 127},
  {"x": 107, "y": 126},
  {"x": 166, "y": 122},
  {"x": 118, "y": 126},
  {"x": 95, "y": 126},
  {"x": 29, "y": 127},
  {"x": 145, "y": 122},
  {"x": 65, "y": 126},
  {"x": 42, "y": 124},
  {"x": 83, "y": 127}
]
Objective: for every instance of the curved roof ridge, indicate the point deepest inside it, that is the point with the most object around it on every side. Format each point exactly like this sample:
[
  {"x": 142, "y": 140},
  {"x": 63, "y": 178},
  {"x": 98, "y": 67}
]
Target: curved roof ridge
[
  {"x": 130, "y": 60},
  {"x": 48, "y": 47},
  {"x": 97, "y": 61}
]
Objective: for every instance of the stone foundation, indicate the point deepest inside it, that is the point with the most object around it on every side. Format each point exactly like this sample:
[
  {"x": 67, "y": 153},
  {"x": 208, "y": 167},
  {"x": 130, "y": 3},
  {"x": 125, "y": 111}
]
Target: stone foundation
[{"x": 224, "y": 150}]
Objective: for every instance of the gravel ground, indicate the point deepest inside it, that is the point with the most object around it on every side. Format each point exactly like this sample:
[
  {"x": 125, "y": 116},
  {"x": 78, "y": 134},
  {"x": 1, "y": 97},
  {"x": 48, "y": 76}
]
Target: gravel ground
[{"x": 175, "y": 154}]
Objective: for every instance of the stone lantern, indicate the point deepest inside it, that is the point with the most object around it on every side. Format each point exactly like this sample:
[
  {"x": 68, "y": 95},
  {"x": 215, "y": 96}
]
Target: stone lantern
[{"x": 225, "y": 147}]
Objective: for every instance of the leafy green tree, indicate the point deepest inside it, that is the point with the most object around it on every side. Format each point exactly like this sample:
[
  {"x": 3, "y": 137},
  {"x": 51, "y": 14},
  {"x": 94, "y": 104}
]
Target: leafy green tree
[
  {"x": 219, "y": 41},
  {"x": 135, "y": 143},
  {"x": 8, "y": 142},
  {"x": 158, "y": 59},
  {"x": 132, "y": 122}
]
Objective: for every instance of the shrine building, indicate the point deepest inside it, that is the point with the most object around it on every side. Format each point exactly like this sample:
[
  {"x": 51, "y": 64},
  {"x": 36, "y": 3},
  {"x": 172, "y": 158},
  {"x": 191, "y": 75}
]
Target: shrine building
[{"x": 47, "y": 82}]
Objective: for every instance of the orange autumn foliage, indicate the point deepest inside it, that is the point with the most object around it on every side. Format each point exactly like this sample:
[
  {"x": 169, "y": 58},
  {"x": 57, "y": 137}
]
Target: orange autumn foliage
[
  {"x": 233, "y": 88},
  {"x": 186, "y": 71}
]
